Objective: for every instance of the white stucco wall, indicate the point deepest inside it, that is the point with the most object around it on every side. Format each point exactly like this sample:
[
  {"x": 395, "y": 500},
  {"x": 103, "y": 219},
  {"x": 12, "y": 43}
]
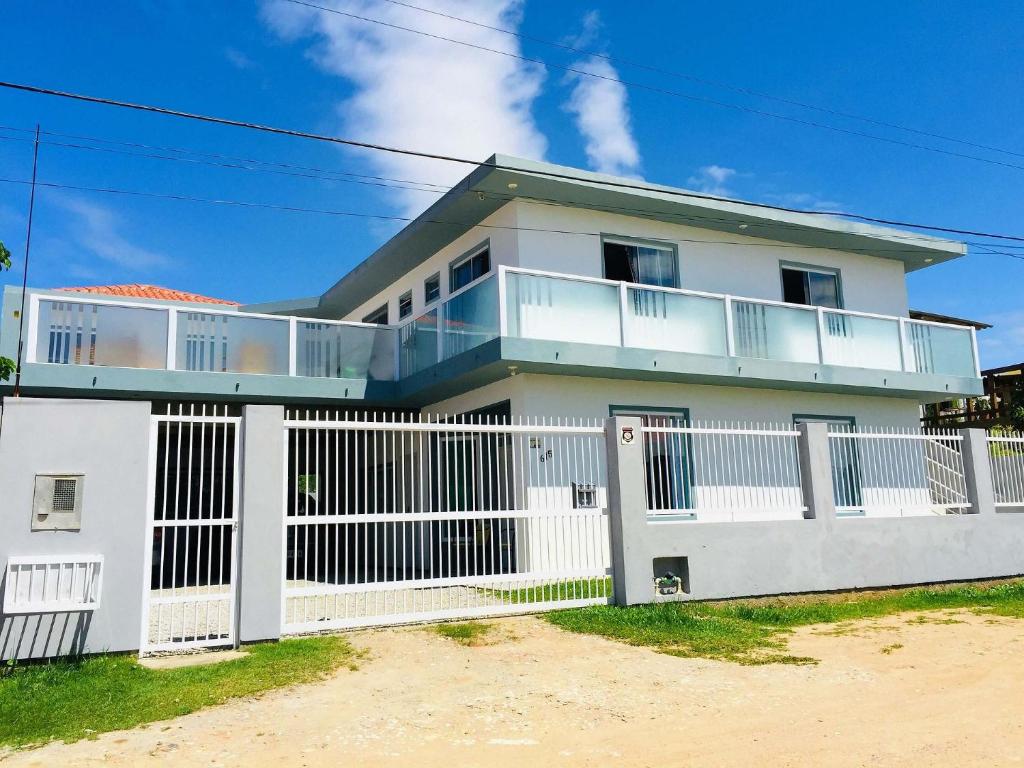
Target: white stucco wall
[
  {"x": 498, "y": 228},
  {"x": 584, "y": 397},
  {"x": 869, "y": 283}
]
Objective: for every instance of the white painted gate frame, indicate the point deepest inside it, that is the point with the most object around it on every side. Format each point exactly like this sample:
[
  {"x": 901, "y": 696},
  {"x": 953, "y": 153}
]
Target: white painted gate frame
[
  {"x": 145, "y": 646},
  {"x": 456, "y": 428}
]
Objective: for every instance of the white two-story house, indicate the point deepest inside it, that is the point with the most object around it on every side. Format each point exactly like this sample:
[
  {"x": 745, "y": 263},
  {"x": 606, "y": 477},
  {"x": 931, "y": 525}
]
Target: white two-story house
[{"x": 528, "y": 294}]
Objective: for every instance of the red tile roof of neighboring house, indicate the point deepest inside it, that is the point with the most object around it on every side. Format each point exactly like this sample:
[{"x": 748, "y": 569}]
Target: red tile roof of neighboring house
[{"x": 140, "y": 291}]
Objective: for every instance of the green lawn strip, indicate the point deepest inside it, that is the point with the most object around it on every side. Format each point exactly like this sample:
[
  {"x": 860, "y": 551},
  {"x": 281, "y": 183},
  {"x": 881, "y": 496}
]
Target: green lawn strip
[
  {"x": 71, "y": 700},
  {"x": 578, "y": 589},
  {"x": 466, "y": 632},
  {"x": 754, "y": 631}
]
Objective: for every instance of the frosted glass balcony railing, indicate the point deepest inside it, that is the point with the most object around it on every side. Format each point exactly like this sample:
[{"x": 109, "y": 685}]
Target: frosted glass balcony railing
[
  {"x": 418, "y": 345},
  {"x": 676, "y": 322},
  {"x": 231, "y": 342},
  {"x": 513, "y": 303},
  {"x": 861, "y": 341},
  {"x": 775, "y": 331},
  {"x": 470, "y": 318},
  {"x": 83, "y": 333},
  {"x": 940, "y": 349},
  {"x": 339, "y": 351},
  {"x": 562, "y": 309},
  {"x": 105, "y": 332},
  {"x": 551, "y": 307}
]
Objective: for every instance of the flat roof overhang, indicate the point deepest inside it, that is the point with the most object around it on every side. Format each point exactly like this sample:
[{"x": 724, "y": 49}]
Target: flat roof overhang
[{"x": 486, "y": 189}]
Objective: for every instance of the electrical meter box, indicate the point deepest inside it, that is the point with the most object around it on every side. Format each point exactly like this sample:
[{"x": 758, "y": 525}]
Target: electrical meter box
[{"x": 57, "y": 503}]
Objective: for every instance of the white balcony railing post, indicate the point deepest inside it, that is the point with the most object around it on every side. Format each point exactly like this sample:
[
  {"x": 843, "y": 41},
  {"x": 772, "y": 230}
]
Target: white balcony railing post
[
  {"x": 172, "y": 338},
  {"x": 32, "y": 341},
  {"x": 730, "y": 335},
  {"x": 293, "y": 345},
  {"x": 440, "y": 330},
  {"x": 974, "y": 352},
  {"x": 623, "y": 314},
  {"x": 906, "y": 353},
  {"x": 502, "y": 302},
  {"x": 822, "y": 334}
]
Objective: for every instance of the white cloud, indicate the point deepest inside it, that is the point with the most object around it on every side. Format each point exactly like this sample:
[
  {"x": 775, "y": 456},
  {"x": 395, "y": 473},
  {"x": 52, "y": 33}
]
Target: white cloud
[
  {"x": 96, "y": 229},
  {"x": 420, "y": 93},
  {"x": 712, "y": 180},
  {"x": 600, "y": 106},
  {"x": 238, "y": 59},
  {"x": 803, "y": 200}
]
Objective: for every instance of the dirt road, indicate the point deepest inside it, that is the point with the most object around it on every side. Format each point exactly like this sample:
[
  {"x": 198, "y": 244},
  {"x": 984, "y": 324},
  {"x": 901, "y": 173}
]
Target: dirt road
[{"x": 894, "y": 692}]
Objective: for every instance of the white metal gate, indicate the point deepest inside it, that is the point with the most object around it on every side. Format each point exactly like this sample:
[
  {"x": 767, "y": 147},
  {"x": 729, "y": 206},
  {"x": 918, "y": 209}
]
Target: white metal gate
[
  {"x": 192, "y": 541},
  {"x": 410, "y": 519}
]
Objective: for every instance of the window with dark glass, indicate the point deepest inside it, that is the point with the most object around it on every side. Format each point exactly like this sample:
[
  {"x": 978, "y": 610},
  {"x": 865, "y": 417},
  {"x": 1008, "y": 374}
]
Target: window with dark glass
[
  {"x": 816, "y": 288},
  {"x": 469, "y": 269},
  {"x": 643, "y": 264},
  {"x": 379, "y": 316},
  {"x": 432, "y": 288},
  {"x": 405, "y": 305}
]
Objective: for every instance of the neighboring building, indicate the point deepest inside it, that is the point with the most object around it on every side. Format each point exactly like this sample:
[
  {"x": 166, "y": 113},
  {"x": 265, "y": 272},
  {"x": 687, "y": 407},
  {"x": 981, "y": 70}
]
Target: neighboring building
[
  {"x": 1003, "y": 387},
  {"x": 600, "y": 297}
]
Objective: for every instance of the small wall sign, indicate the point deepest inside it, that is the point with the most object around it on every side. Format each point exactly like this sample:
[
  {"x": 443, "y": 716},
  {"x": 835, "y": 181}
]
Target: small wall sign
[{"x": 627, "y": 437}]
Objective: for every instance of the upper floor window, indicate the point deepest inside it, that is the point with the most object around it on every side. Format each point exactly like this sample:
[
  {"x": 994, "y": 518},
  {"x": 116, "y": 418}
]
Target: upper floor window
[
  {"x": 811, "y": 286},
  {"x": 432, "y": 288},
  {"x": 379, "y": 316},
  {"x": 405, "y": 305},
  {"x": 641, "y": 263},
  {"x": 469, "y": 268}
]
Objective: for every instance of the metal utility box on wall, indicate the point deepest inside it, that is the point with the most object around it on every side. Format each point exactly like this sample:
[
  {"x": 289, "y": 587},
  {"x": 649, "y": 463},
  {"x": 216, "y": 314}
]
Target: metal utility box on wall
[{"x": 57, "y": 502}]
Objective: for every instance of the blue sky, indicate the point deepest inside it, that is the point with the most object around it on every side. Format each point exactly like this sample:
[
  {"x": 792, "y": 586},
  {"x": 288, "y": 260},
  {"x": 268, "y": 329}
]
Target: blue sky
[{"x": 942, "y": 67}]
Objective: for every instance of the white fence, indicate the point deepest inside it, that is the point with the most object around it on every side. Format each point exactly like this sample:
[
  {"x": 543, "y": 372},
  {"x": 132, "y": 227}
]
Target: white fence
[
  {"x": 404, "y": 519},
  {"x": 716, "y": 472},
  {"x": 1006, "y": 459},
  {"x": 889, "y": 472}
]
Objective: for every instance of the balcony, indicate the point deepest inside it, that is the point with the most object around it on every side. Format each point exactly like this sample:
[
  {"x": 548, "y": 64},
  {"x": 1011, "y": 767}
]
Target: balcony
[
  {"x": 555, "y": 323},
  {"x": 532, "y": 321},
  {"x": 110, "y": 346}
]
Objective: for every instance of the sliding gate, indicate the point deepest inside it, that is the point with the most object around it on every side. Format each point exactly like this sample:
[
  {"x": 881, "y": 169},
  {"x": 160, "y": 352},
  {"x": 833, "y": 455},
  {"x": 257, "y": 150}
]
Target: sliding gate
[
  {"x": 192, "y": 541},
  {"x": 391, "y": 520}
]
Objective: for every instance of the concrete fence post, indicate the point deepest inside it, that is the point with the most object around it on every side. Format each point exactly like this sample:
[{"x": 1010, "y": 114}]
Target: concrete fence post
[
  {"x": 627, "y": 509},
  {"x": 260, "y": 588},
  {"x": 816, "y": 472},
  {"x": 978, "y": 472}
]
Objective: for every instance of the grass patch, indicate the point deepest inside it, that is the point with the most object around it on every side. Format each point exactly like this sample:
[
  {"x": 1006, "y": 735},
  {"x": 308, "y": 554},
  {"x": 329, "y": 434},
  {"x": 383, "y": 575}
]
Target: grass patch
[
  {"x": 72, "y": 700},
  {"x": 466, "y": 632},
  {"x": 578, "y": 589},
  {"x": 755, "y": 631},
  {"x": 888, "y": 649}
]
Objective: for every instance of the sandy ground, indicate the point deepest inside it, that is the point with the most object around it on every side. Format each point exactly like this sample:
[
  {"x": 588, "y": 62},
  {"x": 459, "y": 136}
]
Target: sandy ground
[{"x": 894, "y": 692}]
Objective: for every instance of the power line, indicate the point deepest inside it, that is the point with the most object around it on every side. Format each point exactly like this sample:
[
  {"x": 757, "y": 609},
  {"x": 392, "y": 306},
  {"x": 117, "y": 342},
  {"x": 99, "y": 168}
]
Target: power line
[
  {"x": 705, "y": 81},
  {"x": 663, "y": 91},
  {"x": 406, "y": 219},
  {"x": 434, "y": 188},
  {"x": 549, "y": 174}
]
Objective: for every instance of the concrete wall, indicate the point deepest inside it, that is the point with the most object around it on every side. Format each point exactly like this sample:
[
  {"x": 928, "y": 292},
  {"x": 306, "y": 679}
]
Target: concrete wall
[
  {"x": 726, "y": 264},
  {"x": 108, "y": 442},
  {"x": 504, "y": 250}
]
